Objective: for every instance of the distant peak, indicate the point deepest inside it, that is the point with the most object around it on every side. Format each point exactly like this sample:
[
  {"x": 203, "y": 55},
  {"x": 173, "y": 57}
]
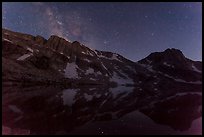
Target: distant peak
[
  {"x": 173, "y": 50},
  {"x": 169, "y": 55},
  {"x": 168, "y": 52}
]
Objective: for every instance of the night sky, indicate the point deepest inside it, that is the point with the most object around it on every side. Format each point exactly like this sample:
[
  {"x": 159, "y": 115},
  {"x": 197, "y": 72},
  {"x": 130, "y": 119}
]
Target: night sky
[{"x": 133, "y": 30}]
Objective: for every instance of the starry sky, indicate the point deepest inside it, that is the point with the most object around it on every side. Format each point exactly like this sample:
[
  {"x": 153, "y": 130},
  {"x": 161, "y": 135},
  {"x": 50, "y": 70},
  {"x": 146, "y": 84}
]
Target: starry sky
[{"x": 132, "y": 29}]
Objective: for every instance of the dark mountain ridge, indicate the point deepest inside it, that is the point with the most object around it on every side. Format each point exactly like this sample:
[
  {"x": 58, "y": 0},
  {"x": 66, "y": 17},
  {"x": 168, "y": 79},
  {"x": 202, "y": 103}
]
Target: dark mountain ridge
[{"x": 34, "y": 59}]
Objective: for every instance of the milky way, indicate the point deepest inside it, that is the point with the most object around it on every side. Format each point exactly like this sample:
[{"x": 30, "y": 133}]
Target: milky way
[{"x": 133, "y": 30}]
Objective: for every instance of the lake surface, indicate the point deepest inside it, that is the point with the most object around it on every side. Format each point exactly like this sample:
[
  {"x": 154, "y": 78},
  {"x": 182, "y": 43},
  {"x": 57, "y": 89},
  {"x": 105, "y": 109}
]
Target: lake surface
[{"x": 98, "y": 110}]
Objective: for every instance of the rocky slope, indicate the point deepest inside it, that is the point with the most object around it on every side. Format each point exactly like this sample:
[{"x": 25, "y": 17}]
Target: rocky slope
[{"x": 29, "y": 58}]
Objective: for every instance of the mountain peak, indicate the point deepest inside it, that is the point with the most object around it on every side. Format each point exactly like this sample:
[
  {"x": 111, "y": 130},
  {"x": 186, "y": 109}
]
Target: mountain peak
[
  {"x": 174, "y": 52},
  {"x": 169, "y": 55},
  {"x": 55, "y": 37},
  {"x": 172, "y": 57},
  {"x": 56, "y": 42}
]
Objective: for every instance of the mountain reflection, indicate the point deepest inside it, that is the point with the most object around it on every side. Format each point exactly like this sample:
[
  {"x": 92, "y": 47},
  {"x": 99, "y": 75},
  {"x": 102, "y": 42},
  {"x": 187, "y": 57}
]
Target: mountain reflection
[{"x": 99, "y": 110}]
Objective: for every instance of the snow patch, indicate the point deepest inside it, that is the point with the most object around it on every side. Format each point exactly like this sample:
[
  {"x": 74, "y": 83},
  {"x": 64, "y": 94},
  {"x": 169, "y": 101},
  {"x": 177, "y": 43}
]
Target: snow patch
[
  {"x": 166, "y": 64},
  {"x": 103, "y": 103},
  {"x": 195, "y": 69},
  {"x": 131, "y": 68},
  {"x": 24, "y": 56},
  {"x": 99, "y": 73},
  {"x": 119, "y": 80},
  {"x": 87, "y": 60},
  {"x": 104, "y": 66},
  {"x": 94, "y": 51},
  {"x": 88, "y": 97},
  {"x": 83, "y": 52},
  {"x": 90, "y": 53},
  {"x": 148, "y": 61},
  {"x": 71, "y": 70},
  {"x": 15, "y": 109},
  {"x": 149, "y": 67},
  {"x": 98, "y": 95},
  {"x": 68, "y": 96},
  {"x": 169, "y": 65},
  {"x": 7, "y": 40},
  {"x": 120, "y": 89},
  {"x": 30, "y": 49},
  {"x": 89, "y": 71},
  {"x": 101, "y": 56},
  {"x": 92, "y": 79},
  {"x": 115, "y": 57}
]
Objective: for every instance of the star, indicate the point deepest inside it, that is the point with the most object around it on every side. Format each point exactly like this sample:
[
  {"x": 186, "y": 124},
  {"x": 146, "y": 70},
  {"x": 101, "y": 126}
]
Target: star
[
  {"x": 90, "y": 19},
  {"x": 186, "y": 17},
  {"x": 105, "y": 42},
  {"x": 60, "y": 23},
  {"x": 152, "y": 34}
]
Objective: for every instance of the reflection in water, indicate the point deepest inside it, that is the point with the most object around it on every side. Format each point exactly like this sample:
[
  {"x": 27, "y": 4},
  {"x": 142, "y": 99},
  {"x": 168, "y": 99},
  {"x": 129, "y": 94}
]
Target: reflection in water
[
  {"x": 68, "y": 96},
  {"x": 134, "y": 123},
  {"x": 99, "y": 110}
]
